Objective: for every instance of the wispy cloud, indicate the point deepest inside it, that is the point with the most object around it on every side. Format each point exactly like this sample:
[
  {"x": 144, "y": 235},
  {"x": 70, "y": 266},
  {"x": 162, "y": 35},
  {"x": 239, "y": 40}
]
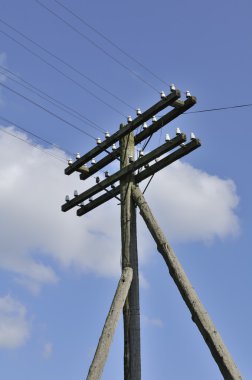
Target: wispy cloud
[
  {"x": 37, "y": 238},
  {"x": 47, "y": 350},
  {"x": 143, "y": 281},
  {"x": 14, "y": 327},
  {"x": 193, "y": 205},
  {"x": 155, "y": 322}
]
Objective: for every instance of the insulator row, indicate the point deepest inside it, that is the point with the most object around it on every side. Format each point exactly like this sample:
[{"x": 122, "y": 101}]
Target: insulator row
[
  {"x": 141, "y": 153},
  {"x": 129, "y": 120},
  {"x": 131, "y": 159}
]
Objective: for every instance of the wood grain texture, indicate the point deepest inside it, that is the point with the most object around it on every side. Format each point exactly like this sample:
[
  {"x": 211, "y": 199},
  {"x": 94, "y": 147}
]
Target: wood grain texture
[
  {"x": 199, "y": 315},
  {"x": 108, "y": 331},
  {"x": 131, "y": 310}
]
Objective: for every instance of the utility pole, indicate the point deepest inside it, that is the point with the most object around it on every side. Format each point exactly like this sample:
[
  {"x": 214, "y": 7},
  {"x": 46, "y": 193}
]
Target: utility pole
[
  {"x": 131, "y": 310},
  {"x": 131, "y": 173}
]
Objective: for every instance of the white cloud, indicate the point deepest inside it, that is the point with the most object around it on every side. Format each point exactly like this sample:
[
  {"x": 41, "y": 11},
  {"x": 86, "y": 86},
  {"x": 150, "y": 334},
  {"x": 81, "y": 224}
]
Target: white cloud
[
  {"x": 192, "y": 205},
  {"x": 47, "y": 350},
  {"x": 14, "y": 327},
  {"x": 35, "y": 235},
  {"x": 156, "y": 322},
  {"x": 143, "y": 281}
]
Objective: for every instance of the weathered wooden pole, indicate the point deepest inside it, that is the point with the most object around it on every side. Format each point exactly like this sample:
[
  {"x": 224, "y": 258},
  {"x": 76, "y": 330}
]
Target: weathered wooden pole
[
  {"x": 199, "y": 314},
  {"x": 131, "y": 311},
  {"x": 96, "y": 368}
]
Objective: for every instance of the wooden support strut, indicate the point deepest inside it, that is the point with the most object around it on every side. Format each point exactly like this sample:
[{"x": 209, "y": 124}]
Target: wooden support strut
[
  {"x": 96, "y": 368},
  {"x": 199, "y": 314}
]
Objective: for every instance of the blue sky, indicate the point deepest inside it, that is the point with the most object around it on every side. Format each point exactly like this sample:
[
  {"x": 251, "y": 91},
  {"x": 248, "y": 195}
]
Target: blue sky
[{"x": 59, "y": 272}]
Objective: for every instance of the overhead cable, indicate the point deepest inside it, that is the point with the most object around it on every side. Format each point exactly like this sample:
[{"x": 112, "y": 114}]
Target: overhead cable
[
  {"x": 221, "y": 108},
  {"x": 81, "y": 19},
  {"x": 11, "y": 123},
  {"x": 49, "y": 98},
  {"x": 62, "y": 73},
  {"x": 97, "y": 46},
  {"x": 67, "y": 64},
  {"x": 48, "y": 111},
  {"x": 29, "y": 143}
]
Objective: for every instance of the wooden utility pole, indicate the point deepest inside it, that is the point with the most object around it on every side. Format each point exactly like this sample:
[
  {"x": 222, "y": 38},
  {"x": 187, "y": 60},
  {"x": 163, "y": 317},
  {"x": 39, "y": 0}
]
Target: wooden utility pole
[
  {"x": 199, "y": 313},
  {"x": 132, "y": 171},
  {"x": 108, "y": 331},
  {"x": 131, "y": 310}
]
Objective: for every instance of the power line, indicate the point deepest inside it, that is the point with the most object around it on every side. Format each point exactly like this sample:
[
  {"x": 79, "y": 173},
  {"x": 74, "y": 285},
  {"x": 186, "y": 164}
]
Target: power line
[
  {"x": 35, "y": 135},
  {"x": 145, "y": 145},
  {"x": 48, "y": 111},
  {"x": 201, "y": 111},
  {"x": 62, "y": 73},
  {"x": 52, "y": 100},
  {"x": 97, "y": 46},
  {"x": 147, "y": 142},
  {"x": 68, "y": 65},
  {"x": 110, "y": 41},
  {"x": 146, "y": 187},
  {"x": 216, "y": 109},
  {"x": 51, "y": 113},
  {"x": 221, "y": 108},
  {"x": 29, "y": 143}
]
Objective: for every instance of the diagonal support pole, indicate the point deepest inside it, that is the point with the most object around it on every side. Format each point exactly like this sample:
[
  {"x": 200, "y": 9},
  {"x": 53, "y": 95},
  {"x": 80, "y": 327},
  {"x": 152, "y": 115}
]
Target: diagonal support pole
[
  {"x": 199, "y": 315},
  {"x": 96, "y": 368}
]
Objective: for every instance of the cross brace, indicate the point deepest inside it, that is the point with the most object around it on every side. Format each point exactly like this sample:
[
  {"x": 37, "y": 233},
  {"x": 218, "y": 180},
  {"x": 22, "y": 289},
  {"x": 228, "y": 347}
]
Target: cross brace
[
  {"x": 131, "y": 126},
  {"x": 179, "y": 153},
  {"x": 129, "y": 169},
  {"x": 149, "y": 131}
]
